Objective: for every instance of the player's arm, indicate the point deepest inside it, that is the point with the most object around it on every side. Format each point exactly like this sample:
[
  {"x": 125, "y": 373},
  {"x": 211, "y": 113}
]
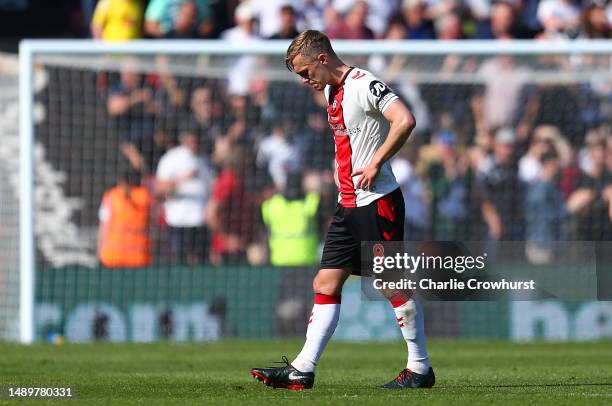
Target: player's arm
[{"x": 402, "y": 123}]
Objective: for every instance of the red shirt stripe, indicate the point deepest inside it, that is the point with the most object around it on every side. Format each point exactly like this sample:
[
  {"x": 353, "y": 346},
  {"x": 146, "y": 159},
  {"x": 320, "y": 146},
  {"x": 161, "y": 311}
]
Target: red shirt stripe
[{"x": 344, "y": 153}]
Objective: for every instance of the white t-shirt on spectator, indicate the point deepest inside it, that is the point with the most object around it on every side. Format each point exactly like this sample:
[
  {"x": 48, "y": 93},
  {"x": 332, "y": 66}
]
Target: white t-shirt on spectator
[
  {"x": 279, "y": 155},
  {"x": 185, "y": 208},
  {"x": 566, "y": 12},
  {"x": 268, "y": 12},
  {"x": 502, "y": 82},
  {"x": 240, "y": 68}
]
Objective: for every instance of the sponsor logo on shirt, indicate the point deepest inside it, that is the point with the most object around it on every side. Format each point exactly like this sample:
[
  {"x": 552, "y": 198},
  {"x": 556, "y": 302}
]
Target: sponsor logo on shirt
[{"x": 380, "y": 91}]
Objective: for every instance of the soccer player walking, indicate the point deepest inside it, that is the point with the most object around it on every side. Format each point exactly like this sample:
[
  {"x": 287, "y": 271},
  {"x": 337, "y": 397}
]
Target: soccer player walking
[{"x": 370, "y": 124}]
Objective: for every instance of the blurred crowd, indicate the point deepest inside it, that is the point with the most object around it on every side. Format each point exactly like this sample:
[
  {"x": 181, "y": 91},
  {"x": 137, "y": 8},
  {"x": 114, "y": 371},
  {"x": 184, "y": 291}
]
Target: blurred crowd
[
  {"x": 226, "y": 176},
  {"x": 118, "y": 20},
  {"x": 239, "y": 169}
]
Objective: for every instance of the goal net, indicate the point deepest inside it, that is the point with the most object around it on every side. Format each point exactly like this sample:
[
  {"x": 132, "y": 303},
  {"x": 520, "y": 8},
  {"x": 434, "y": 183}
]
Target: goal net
[{"x": 151, "y": 178}]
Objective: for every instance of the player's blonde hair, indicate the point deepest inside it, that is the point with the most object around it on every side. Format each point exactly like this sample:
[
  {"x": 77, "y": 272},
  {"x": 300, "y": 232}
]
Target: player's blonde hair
[{"x": 308, "y": 43}]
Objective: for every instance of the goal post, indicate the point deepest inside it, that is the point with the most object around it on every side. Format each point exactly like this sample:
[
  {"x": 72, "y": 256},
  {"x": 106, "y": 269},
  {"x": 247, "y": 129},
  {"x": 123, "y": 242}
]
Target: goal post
[{"x": 38, "y": 54}]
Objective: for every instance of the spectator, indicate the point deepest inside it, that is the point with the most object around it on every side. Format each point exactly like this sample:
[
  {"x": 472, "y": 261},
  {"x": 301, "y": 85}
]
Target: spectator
[
  {"x": 396, "y": 29},
  {"x": 231, "y": 211},
  {"x": 590, "y": 202},
  {"x": 178, "y": 18},
  {"x": 184, "y": 179},
  {"x": 449, "y": 27},
  {"x": 204, "y": 117},
  {"x": 419, "y": 26},
  {"x": 559, "y": 18},
  {"x": 438, "y": 8},
  {"x": 244, "y": 28},
  {"x": 594, "y": 21},
  {"x": 314, "y": 146},
  {"x": 545, "y": 210},
  {"x": 479, "y": 11},
  {"x": 290, "y": 218},
  {"x": 243, "y": 119},
  {"x": 311, "y": 14},
  {"x": 172, "y": 91},
  {"x": 449, "y": 183},
  {"x": 414, "y": 191},
  {"x": 502, "y": 25},
  {"x": 528, "y": 17},
  {"x": 262, "y": 109},
  {"x": 124, "y": 224},
  {"x": 117, "y": 20},
  {"x": 185, "y": 23},
  {"x": 352, "y": 26},
  {"x": 132, "y": 108},
  {"x": 503, "y": 80},
  {"x": 277, "y": 154},
  {"x": 545, "y": 139},
  {"x": 501, "y": 190},
  {"x": 287, "y": 20},
  {"x": 164, "y": 138},
  {"x": 378, "y": 16},
  {"x": 242, "y": 67},
  {"x": 267, "y": 13}
]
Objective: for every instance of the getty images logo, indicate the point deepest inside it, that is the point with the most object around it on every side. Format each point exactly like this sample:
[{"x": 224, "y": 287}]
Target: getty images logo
[{"x": 413, "y": 263}]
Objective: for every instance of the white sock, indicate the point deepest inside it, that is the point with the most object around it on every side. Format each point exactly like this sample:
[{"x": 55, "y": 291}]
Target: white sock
[
  {"x": 410, "y": 319},
  {"x": 321, "y": 326}
]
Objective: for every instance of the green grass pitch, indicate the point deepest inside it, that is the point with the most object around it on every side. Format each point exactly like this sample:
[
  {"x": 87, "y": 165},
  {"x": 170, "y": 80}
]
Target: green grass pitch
[{"x": 218, "y": 373}]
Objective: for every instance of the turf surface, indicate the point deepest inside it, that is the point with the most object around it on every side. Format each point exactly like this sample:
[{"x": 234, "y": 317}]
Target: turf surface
[{"x": 180, "y": 374}]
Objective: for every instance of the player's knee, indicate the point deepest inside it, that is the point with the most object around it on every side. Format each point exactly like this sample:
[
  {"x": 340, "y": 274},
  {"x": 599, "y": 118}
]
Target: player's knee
[{"x": 326, "y": 286}]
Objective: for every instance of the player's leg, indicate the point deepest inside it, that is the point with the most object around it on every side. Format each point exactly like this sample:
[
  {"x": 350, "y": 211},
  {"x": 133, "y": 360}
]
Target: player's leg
[
  {"x": 411, "y": 321},
  {"x": 322, "y": 323},
  {"x": 340, "y": 256},
  {"x": 383, "y": 220},
  {"x": 323, "y": 320}
]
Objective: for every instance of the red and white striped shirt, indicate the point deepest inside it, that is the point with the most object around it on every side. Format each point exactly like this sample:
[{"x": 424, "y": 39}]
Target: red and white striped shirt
[{"x": 355, "y": 114}]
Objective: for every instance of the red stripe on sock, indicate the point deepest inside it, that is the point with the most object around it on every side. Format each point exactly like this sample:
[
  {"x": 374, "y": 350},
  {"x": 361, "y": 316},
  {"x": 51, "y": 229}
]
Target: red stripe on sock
[
  {"x": 399, "y": 299},
  {"x": 326, "y": 299}
]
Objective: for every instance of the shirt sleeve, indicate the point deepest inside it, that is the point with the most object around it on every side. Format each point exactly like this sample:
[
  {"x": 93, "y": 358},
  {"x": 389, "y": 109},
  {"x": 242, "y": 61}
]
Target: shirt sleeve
[
  {"x": 155, "y": 10},
  {"x": 378, "y": 96},
  {"x": 101, "y": 13},
  {"x": 163, "y": 169},
  {"x": 224, "y": 186},
  {"x": 204, "y": 10}
]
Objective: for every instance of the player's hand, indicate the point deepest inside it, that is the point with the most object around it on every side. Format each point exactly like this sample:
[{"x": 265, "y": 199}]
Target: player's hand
[
  {"x": 368, "y": 175},
  {"x": 336, "y": 179}
]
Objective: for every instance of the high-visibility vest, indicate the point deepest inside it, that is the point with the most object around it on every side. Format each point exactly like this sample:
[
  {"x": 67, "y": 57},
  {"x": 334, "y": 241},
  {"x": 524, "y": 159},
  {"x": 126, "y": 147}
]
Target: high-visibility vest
[
  {"x": 291, "y": 225},
  {"x": 125, "y": 242}
]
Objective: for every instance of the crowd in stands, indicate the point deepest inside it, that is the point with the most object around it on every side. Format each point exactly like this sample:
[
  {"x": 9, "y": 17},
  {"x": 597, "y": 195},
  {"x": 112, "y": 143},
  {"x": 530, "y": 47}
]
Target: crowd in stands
[
  {"x": 503, "y": 159},
  {"x": 352, "y": 19}
]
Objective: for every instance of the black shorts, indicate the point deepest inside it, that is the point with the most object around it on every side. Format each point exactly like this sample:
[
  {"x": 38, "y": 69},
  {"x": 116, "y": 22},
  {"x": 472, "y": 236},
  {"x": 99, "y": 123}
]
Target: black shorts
[{"x": 381, "y": 220}]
